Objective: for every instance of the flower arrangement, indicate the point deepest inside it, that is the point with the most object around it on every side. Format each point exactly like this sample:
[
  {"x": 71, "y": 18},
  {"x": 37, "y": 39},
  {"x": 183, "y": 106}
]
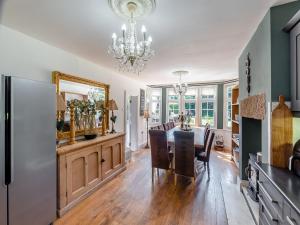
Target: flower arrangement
[{"x": 86, "y": 112}]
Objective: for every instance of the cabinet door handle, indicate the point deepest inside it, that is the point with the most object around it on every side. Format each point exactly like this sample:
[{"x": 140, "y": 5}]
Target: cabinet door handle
[
  {"x": 102, "y": 160},
  {"x": 290, "y": 220},
  {"x": 266, "y": 209},
  {"x": 266, "y": 193}
]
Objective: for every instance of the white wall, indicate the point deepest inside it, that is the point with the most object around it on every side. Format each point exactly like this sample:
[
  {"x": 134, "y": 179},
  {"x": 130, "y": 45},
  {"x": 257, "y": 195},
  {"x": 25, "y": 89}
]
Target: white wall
[{"x": 23, "y": 56}]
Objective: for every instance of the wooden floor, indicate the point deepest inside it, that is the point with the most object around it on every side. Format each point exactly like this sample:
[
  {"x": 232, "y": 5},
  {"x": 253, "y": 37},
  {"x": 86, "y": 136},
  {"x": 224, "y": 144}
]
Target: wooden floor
[{"x": 132, "y": 199}]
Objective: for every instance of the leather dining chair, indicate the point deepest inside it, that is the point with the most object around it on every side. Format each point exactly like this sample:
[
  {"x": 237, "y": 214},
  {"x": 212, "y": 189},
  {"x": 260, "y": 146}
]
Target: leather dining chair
[
  {"x": 184, "y": 154},
  {"x": 205, "y": 156},
  {"x": 161, "y": 127},
  {"x": 161, "y": 157},
  {"x": 166, "y": 127},
  {"x": 198, "y": 150}
]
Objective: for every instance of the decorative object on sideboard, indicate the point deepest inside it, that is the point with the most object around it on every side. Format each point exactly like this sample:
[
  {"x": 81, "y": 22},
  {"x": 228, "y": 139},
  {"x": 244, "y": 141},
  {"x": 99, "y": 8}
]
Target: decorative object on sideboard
[
  {"x": 60, "y": 107},
  {"x": 103, "y": 127},
  {"x": 282, "y": 135},
  {"x": 248, "y": 73},
  {"x": 295, "y": 163},
  {"x": 147, "y": 116},
  {"x": 72, "y": 124},
  {"x": 181, "y": 119},
  {"x": 112, "y": 105}
]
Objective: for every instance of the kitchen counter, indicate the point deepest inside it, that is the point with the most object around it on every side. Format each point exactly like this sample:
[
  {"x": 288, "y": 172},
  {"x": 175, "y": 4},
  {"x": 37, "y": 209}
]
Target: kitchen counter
[{"x": 287, "y": 183}]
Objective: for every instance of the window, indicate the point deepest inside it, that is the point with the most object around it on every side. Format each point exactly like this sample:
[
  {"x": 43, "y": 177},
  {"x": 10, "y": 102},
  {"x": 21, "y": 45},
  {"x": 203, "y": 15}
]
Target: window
[
  {"x": 190, "y": 99},
  {"x": 227, "y": 104},
  {"x": 208, "y": 106},
  {"x": 155, "y": 104},
  {"x": 172, "y": 105}
]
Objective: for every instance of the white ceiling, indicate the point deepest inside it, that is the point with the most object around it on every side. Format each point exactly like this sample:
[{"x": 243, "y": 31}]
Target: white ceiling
[{"x": 203, "y": 36}]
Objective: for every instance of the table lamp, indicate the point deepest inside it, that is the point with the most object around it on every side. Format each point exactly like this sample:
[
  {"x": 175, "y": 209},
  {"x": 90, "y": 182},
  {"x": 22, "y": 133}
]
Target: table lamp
[
  {"x": 147, "y": 116},
  {"x": 112, "y": 105}
]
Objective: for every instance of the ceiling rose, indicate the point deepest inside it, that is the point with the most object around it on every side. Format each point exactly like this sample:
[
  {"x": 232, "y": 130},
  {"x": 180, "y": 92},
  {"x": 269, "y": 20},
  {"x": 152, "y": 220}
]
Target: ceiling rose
[{"x": 142, "y": 7}]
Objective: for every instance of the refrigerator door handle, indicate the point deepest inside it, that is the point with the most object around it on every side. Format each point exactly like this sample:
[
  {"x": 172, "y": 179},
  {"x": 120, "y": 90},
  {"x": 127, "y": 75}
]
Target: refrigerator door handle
[{"x": 8, "y": 147}]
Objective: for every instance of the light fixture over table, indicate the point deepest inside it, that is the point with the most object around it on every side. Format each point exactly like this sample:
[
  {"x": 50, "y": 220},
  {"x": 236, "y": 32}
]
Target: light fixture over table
[
  {"x": 131, "y": 53},
  {"x": 180, "y": 88}
]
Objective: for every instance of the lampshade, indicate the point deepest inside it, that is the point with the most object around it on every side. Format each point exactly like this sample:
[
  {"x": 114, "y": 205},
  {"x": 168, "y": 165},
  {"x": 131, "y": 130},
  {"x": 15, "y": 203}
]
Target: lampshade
[
  {"x": 112, "y": 105},
  {"x": 146, "y": 114},
  {"x": 60, "y": 103}
]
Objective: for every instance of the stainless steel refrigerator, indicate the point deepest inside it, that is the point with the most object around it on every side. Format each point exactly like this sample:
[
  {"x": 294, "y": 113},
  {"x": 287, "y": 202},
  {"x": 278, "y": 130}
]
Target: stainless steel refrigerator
[{"x": 27, "y": 152}]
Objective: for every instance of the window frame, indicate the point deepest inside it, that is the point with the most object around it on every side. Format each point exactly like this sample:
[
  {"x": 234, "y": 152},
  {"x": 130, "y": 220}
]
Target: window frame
[
  {"x": 160, "y": 105},
  {"x": 196, "y": 101},
  {"x": 171, "y": 101},
  {"x": 214, "y": 100}
]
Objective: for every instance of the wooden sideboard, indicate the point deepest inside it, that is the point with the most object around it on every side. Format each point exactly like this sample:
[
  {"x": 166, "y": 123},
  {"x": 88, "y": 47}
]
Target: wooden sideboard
[{"x": 85, "y": 166}]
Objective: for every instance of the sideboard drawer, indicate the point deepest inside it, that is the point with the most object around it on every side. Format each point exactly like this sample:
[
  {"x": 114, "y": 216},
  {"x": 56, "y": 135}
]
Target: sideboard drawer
[
  {"x": 271, "y": 196},
  {"x": 266, "y": 215},
  {"x": 291, "y": 216}
]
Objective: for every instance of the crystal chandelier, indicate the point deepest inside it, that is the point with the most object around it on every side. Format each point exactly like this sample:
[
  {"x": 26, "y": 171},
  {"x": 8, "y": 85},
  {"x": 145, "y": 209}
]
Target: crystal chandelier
[
  {"x": 180, "y": 88},
  {"x": 131, "y": 53}
]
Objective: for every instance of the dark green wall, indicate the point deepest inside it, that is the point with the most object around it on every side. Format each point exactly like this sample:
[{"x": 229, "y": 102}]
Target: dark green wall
[
  {"x": 220, "y": 106},
  {"x": 164, "y": 105},
  {"x": 280, "y": 49},
  {"x": 259, "y": 48},
  {"x": 270, "y": 71}
]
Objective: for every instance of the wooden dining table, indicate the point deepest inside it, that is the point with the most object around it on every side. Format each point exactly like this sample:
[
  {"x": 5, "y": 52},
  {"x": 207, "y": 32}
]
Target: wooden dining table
[{"x": 198, "y": 136}]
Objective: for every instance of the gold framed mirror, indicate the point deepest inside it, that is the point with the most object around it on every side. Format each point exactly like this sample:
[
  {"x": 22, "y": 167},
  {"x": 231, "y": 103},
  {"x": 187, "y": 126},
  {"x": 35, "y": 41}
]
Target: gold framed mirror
[{"x": 71, "y": 88}]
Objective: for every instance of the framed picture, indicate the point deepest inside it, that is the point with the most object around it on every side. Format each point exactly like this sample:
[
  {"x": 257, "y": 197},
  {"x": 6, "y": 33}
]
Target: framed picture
[{"x": 142, "y": 102}]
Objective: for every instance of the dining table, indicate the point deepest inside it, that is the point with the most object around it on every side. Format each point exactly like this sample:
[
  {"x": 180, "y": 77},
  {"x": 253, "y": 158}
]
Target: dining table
[{"x": 198, "y": 135}]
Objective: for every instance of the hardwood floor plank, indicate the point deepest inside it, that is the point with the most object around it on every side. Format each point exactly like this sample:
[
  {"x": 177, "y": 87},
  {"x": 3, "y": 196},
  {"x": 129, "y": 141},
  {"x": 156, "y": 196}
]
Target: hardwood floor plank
[{"x": 132, "y": 198}]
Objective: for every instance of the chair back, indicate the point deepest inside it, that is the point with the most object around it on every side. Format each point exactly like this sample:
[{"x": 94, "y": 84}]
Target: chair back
[
  {"x": 172, "y": 124},
  {"x": 166, "y": 127},
  {"x": 206, "y": 136},
  {"x": 209, "y": 144},
  {"x": 159, "y": 149},
  {"x": 161, "y": 127},
  {"x": 184, "y": 153}
]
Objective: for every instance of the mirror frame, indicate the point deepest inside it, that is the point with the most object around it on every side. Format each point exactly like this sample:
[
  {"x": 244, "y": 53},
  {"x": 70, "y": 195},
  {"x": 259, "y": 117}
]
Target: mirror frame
[{"x": 58, "y": 76}]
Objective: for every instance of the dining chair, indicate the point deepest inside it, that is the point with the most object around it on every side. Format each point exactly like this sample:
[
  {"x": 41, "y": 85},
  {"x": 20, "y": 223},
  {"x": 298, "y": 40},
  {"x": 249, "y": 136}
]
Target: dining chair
[
  {"x": 161, "y": 127},
  {"x": 184, "y": 154},
  {"x": 166, "y": 127},
  {"x": 161, "y": 156},
  {"x": 205, "y": 156},
  {"x": 200, "y": 149}
]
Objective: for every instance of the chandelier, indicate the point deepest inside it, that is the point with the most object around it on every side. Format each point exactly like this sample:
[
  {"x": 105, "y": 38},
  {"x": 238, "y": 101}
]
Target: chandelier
[
  {"x": 180, "y": 88},
  {"x": 130, "y": 53}
]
